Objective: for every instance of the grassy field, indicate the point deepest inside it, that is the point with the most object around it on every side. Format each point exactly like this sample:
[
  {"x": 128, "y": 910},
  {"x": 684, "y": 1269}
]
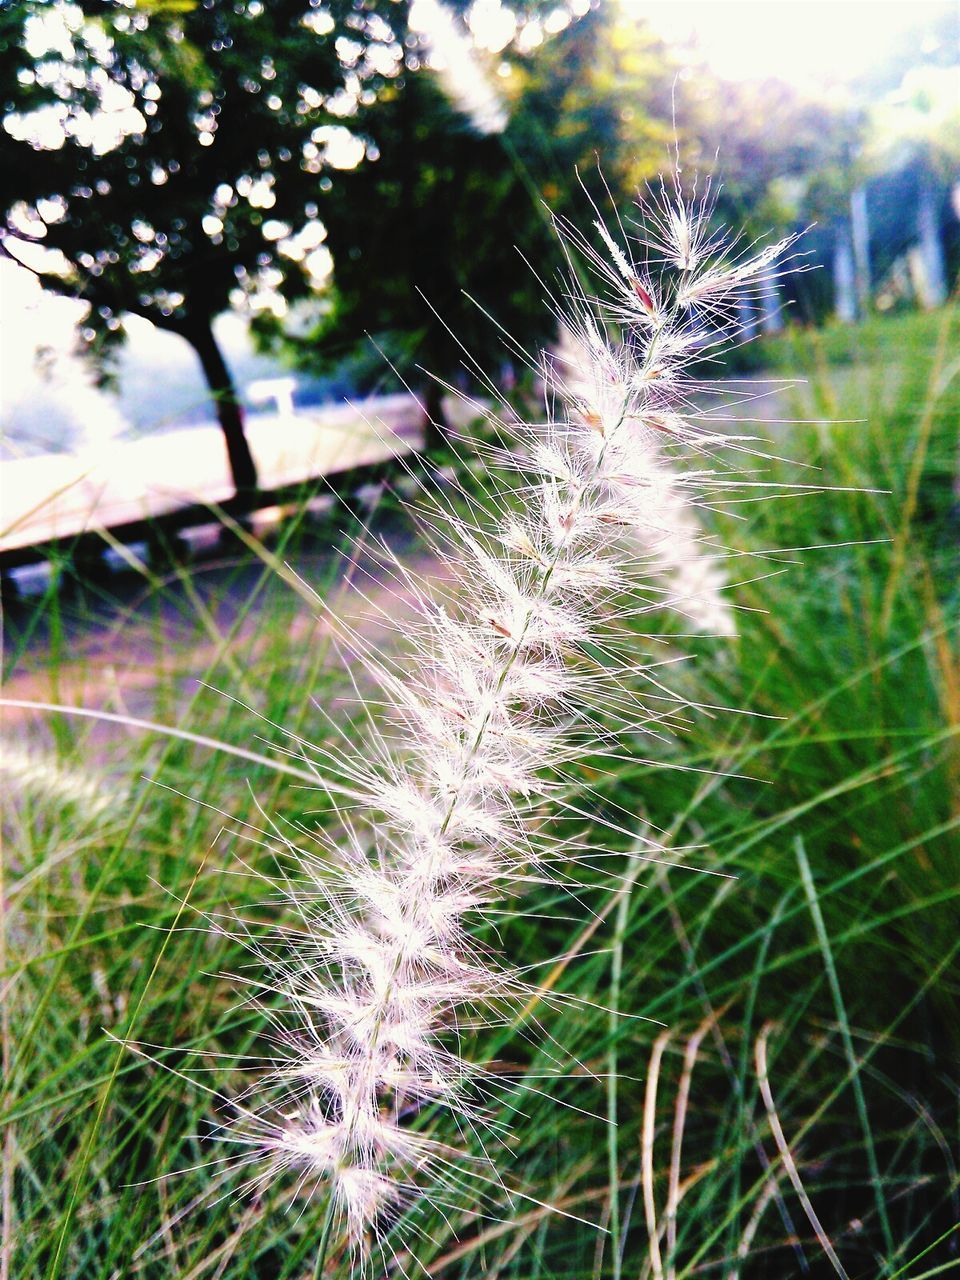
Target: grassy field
[{"x": 794, "y": 1096}]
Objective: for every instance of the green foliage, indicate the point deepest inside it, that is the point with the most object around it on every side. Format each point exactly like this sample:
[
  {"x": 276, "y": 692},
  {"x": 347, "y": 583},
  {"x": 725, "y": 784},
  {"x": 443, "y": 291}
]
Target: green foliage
[
  {"x": 600, "y": 95},
  {"x": 439, "y": 214},
  {"x": 221, "y": 101},
  {"x": 445, "y": 212}
]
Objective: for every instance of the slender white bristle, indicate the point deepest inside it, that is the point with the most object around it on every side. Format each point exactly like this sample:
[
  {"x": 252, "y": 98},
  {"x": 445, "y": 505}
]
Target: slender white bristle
[{"x": 496, "y": 695}]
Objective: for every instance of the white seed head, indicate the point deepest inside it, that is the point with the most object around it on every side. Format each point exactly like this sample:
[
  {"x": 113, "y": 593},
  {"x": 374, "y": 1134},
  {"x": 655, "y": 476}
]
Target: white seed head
[{"x": 496, "y": 692}]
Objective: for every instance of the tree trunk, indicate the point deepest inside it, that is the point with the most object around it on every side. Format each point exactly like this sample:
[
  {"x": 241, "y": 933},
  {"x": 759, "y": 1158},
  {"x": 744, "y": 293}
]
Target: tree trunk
[
  {"x": 860, "y": 239},
  {"x": 771, "y": 313},
  {"x": 844, "y": 276},
  {"x": 436, "y": 427},
  {"x": 746, "y": 317},
  {"x": 934, "y": 285},
  {"x": 199, "y": 333}
]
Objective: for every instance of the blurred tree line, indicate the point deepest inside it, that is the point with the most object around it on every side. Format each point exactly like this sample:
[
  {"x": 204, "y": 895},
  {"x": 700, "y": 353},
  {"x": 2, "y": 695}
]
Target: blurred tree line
[{"x": 358, "y": 169}]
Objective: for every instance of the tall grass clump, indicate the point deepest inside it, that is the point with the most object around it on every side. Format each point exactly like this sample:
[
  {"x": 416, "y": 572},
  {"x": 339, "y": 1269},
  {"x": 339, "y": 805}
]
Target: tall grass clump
[
  {"x": 749, "y": 1074},
  {"x": 517, "y": 668}
]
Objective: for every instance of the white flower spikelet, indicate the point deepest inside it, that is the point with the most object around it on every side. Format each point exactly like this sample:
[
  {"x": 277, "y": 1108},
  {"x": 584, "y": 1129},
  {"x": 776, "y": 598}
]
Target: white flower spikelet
[
  {"x": 665, "y": 521},
  {"x": 497, "y": 693}
]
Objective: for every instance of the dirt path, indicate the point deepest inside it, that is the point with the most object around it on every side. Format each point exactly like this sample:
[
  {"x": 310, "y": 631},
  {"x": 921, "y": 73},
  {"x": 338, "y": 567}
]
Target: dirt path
[{"x": 153, "y": 650}]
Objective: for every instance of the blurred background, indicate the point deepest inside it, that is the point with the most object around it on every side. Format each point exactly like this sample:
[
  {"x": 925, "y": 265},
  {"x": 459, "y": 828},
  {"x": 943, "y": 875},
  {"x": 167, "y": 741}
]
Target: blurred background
[
  {"x": 253, "y": 254},
  {"x": 231, "y": 215}
]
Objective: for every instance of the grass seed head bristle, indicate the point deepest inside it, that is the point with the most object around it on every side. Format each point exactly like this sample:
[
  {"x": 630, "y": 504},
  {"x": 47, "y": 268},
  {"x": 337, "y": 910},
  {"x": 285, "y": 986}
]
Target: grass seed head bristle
[{"x": 493, "y": 700}]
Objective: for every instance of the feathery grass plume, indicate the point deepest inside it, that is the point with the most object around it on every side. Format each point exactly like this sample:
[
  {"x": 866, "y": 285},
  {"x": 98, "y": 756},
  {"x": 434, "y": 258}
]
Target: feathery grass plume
[
  {"x": 38, "y": 773},
  {"x": 683, "y": 557},
  {"x": 520, "y": 663}
]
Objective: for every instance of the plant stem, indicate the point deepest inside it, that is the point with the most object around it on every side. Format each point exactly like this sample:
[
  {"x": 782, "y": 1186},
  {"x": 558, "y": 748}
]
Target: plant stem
[
  {"x": 616, "y": 975},
  {"x": 848, "y": 1047},
  {"x": 324, "y": 1244}
]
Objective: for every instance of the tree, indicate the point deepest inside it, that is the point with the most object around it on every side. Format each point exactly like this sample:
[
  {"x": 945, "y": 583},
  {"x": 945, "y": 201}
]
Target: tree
[
  {"x": 780, "y": 159},
  {"x": 444, "y": 204},
  {"x": 884, "y": 190},
  {"x": 156, "y": 158},
  {"x": 913, "y": 144},
  {"x": 598, "y": 101},
  {"x": 439, "y": 214}
]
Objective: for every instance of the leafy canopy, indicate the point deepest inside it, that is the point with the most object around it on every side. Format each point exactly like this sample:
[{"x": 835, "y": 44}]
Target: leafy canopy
[{"x": 173, "y": 152}]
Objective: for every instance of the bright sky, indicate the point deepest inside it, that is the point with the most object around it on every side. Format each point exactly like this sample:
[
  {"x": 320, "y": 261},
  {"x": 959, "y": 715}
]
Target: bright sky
[{"x": 801, "y": 41}]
